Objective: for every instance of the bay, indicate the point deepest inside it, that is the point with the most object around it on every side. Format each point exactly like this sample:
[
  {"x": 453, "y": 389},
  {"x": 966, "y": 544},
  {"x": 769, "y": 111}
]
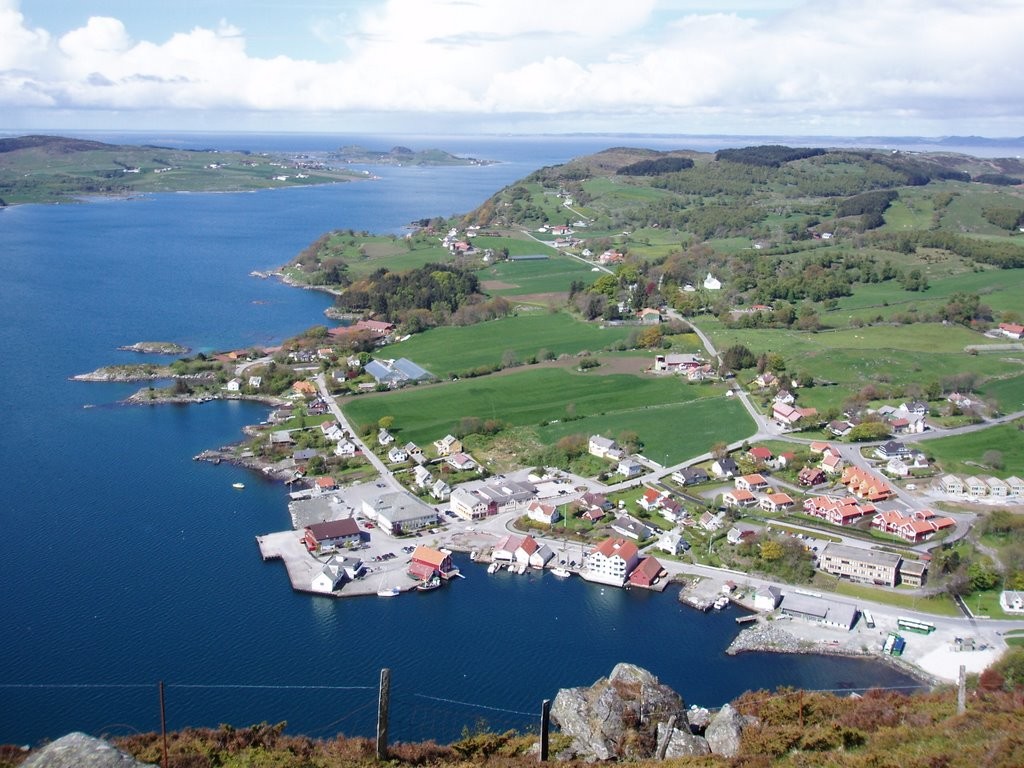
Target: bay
[{"x": 124, "y": 562}]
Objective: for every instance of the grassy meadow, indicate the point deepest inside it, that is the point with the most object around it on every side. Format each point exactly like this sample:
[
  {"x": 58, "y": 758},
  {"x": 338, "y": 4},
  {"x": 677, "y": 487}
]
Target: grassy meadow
[
  {"x": 965, "y": 454},
  {"x": 448, "y": 349},
  {"x": 672, "y": 418},
  {"x": 531, "y": 278}
]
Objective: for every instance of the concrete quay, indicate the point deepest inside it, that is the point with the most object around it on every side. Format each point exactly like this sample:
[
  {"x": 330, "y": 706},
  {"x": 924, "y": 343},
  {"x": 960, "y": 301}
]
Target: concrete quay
[{"x": 301, "y": 566}]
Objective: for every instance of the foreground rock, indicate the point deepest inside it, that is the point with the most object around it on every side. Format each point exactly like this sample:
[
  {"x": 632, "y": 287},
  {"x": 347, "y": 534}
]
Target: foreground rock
[
  {"x": 725, "y": 730},
  {"x": 619, "y": 716},
  {"x": 630, "y": 715},
  {"x": 77, "y": 750}
]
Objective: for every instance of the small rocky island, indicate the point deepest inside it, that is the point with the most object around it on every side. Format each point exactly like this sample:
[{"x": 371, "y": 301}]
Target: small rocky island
[{"x": 155, "y": 348}]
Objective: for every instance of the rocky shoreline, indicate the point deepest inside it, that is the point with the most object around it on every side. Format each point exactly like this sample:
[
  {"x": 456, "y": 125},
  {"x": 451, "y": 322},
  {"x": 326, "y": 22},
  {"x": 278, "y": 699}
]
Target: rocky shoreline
[{"x": 769, "y": 637}]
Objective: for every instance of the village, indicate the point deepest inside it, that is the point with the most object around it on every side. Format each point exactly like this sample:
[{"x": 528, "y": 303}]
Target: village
[{"x": 398, "y": 532}]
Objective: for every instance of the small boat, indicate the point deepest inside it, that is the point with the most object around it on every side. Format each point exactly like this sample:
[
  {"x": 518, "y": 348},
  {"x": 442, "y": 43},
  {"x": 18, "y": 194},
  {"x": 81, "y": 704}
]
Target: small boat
[
  {"x": 238, "y": 486},
  {"x": 389, "y": 592},
  {"x": 561, "y": 572},
  {"x": 721, "y": 602},
  {"x": 494, "y": 567},
  {"x": 432, "y": 583}
]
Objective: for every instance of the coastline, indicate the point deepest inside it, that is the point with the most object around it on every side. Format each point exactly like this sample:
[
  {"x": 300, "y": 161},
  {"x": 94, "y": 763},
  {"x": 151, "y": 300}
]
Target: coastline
[{"x": 768, "y": 637}]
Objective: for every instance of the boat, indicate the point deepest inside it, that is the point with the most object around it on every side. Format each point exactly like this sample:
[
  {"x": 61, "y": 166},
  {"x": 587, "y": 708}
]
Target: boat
[
  {"x": 383, "y": 591},
  {"x": 238, "y": 486},
  {"x": 721, "y": 602},
  {"x": 494, "y": 567},
  {"x": 432, "y": 583},
  {"x": 562, "y": 572}
]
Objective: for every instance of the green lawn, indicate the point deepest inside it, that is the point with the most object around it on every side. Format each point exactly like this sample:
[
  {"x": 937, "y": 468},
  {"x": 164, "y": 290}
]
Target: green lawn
[
  {"x": 448, "y": 349},
  {"x": 1008, "y": 392},
  {"x": 552, "y": 275},
  {"x": 963, "y": 454},
  {"x": 671, "y": 418},
  {"x": 940, "y": 605}
]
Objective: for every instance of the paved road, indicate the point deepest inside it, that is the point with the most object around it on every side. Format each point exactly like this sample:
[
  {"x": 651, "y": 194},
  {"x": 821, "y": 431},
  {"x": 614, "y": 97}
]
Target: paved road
[{"x": 386, "y": 476}]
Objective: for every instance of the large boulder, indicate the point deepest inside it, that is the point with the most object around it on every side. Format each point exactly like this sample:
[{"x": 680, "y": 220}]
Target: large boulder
[
  {"x": 618, "y": 716},
  {"x": 77, "y": 750},
  {"x": 725, "y": 729},
  {"x": 682, "y": 743}
]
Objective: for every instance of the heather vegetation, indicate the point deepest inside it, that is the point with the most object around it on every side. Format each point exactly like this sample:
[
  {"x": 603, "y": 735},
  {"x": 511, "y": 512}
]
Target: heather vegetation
[{"x": 796, "y": 729}]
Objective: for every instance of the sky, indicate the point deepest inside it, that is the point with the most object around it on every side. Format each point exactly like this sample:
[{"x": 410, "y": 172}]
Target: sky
[{"x": 737, "y": 67}]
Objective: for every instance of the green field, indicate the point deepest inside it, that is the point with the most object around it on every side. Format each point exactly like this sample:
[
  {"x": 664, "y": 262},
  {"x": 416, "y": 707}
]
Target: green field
[
  {"x": 1008, "y": 392},
  {"x": 671, "y": 417},
  {"x": 552, "y": 275},
  {"x": 448, "y": 349},
  {"x": 851, "y": 358},
  {"x": 670, "y": 432},
  {"x": 963, "y": 454}
]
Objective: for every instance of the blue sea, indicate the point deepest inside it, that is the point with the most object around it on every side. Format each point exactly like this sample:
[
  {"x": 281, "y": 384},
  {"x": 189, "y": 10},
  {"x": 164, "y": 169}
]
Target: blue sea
[{"x": 124, "y": 562}]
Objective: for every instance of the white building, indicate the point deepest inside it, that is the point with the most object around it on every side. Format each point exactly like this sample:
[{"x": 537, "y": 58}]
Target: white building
[{"x": 611, "y": 561}]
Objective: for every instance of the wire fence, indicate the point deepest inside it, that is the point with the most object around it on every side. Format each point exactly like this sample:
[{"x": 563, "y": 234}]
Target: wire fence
[{"x": 315, "y": 710}]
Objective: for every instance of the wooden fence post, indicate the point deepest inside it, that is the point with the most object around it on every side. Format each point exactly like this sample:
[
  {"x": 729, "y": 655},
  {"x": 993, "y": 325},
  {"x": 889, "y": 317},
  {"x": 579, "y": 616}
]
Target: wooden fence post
[
  {"x": 163, "y": 723},
  {"x": 383, "y": 703},
  {"x": 669, "y": 730},
  {"x": 545, "y": 719},
  {"x": 961, "y": 691}
]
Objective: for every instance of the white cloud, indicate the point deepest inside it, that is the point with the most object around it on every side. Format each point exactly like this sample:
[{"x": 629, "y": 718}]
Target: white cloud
[{"x": 833, "y": 64}]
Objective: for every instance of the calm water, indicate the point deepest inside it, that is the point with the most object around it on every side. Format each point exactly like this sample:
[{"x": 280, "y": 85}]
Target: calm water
[{"x": 124, "y": 562}]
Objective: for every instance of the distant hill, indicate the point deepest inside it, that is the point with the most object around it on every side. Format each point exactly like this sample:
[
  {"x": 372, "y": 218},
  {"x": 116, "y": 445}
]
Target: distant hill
[
  {"x": 47, "y": 169},
  {"x": 401, "y": 156}
]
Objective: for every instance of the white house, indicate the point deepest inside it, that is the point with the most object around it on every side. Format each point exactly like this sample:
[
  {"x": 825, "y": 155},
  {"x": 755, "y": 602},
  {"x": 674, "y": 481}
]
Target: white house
[
  {"x": 767, "y": 598},
  {"x": 421, "y": 476},
  {"x": 1012, "y": 601},
  {"x": 671, "y": 542},
  {"x": 543, "y": 513},
  {"x": 345, "y": 448},
  {"x": 397, "y": 455},
  {"x": 384, "y": 437},
  {"x": 440, "y": 490},
  {"x": 234, "y": 385},
  {"x": 600, "y": 446},
  {"x": 711, "y": 283}
]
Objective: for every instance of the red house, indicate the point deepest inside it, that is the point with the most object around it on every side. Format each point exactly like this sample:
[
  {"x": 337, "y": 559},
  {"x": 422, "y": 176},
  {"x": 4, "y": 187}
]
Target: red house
[
  {"x": 646, "y": 573},
  {"x": 333, "y": 534},
  {"x": 427, "y": 562}
]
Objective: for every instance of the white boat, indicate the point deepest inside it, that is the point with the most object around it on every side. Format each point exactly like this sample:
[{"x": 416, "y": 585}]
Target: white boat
[
  {"x": 494, "y": 567},
  {"x": 562, "y": 572},
  {"x": 238, "y": 486},
  {"x": 721, "y": 602},
  {"x": 383, "y": 591}
]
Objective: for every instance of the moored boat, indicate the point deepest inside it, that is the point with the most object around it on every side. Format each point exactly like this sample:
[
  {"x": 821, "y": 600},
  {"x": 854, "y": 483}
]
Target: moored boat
[
  {"x": 389, "y": 592},
  {"x": 432, "y": 583},
  {"x": 562, "y": 572}
]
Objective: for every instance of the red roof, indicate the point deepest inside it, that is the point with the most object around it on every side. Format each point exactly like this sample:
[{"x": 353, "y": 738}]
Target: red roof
[
  {"x": 429, "y": 556},
  {"x": 760, "y": 453},
  {"x": 611, "y": 546},
  {"x": 333, "y": 529},
  {"x": 646, "y": 572}
]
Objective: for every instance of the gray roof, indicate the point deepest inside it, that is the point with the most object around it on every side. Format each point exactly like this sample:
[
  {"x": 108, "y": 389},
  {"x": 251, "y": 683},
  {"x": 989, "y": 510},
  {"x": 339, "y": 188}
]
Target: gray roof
[
  {"x": 412, "y": 371},
  {"x": 805, "y": 605},
  {"x": 860, "y": 555}
]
